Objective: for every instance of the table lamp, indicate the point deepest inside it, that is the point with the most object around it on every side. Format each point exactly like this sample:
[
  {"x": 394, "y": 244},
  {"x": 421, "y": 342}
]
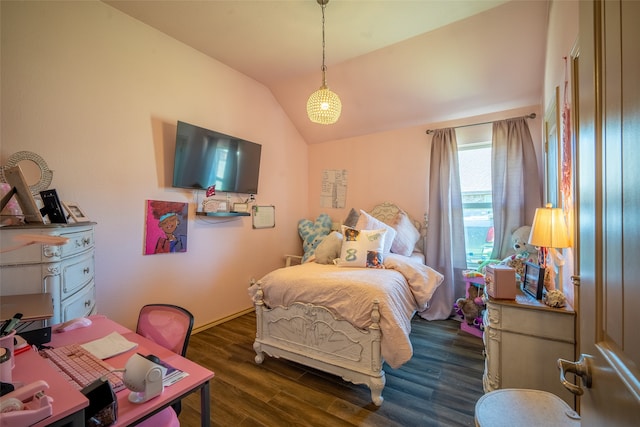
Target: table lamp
[{"x": 549, "y": 232}]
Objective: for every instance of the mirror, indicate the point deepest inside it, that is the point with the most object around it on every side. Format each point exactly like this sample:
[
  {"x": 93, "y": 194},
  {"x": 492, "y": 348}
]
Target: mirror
[{"x": 34, "y": 169}]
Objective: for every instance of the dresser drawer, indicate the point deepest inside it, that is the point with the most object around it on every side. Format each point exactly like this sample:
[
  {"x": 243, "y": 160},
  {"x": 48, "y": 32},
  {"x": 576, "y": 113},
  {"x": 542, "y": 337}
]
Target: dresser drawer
[
  {"x": 79, "y": 305},
  {"x": 79, "y": 241},
  {"x": 76, "y": 273}
]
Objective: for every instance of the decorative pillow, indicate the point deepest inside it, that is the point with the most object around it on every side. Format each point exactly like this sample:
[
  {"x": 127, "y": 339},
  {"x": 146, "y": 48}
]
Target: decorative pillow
[
  {"x": 352, "y": 218},
  {"x": 312, "y": 233},
  {"x": 407, "y": 235},
  {"x": 367, "y": 222},
  {"x": 362, "y": 248},
  {"x": 329, "y": 249}
]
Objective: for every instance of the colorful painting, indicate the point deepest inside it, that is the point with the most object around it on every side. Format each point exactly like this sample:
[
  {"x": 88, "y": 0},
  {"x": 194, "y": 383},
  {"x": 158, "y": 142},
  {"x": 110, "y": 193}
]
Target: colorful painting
[{"x": 166, "y": 227}]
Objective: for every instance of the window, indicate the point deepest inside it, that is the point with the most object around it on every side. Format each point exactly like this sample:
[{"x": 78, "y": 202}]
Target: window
[{"x": 475, "y": 183}]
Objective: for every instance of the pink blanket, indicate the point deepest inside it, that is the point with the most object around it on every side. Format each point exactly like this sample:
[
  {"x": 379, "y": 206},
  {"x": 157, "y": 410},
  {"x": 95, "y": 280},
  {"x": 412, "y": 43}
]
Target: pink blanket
[{"x": 403, "y": 288}]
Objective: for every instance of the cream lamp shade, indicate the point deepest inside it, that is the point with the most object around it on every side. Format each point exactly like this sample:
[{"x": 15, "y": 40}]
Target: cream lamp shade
[{"x": 549, "y": 229}]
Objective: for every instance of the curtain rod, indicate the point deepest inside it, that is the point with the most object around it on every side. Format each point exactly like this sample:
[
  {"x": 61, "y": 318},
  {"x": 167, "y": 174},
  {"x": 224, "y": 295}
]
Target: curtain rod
[{"x": 529, "y": 116}]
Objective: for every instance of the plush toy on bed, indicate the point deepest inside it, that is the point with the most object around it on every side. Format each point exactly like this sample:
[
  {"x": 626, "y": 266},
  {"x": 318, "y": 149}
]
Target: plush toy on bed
[
  {"x": 524, "y": 252},
  {"x": 312, "y": 233}
]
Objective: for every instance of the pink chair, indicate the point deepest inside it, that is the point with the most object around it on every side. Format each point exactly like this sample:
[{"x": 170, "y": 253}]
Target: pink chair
[{"x": 169, "y": 326}]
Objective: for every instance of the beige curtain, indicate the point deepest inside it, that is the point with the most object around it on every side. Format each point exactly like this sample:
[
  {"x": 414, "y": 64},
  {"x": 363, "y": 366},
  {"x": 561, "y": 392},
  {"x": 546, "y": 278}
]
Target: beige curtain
[
  {"x": 515, "y": 181},
  {"x": 445, "y": 247}
]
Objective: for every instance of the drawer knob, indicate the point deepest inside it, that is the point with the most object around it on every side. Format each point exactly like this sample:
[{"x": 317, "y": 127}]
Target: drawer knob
[
  {"x": 86, "y": 270},
  {"x": 87, "y": 303}
]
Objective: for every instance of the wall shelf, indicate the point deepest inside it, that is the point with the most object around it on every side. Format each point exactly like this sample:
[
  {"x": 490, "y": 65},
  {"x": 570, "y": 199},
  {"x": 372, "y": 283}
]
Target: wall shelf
[{"x": 223, "y": 214}]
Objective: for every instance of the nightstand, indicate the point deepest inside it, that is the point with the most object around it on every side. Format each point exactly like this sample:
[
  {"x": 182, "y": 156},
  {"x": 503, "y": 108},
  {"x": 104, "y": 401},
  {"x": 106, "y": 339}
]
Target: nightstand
[{"x": 523, "y": 339}]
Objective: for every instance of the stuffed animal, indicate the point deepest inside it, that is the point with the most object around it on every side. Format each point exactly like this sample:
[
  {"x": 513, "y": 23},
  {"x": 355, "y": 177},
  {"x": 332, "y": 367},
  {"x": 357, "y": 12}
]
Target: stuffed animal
[
  {"x": 472, "y": 306},
  {"x": 312, "y": 233},
  {"x": 523, "y": 251}
]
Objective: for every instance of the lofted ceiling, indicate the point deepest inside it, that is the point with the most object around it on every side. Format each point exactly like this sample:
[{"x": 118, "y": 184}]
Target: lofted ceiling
[{"x": 394, "y": 63}]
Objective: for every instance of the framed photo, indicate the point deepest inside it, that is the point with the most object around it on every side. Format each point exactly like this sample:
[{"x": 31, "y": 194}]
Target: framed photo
[
  {"x": 533, "y": 280},
  {"x": 52, "y": 207},
  {"x": 21, "y": 190},
  {"x": 75, "y": 213}
]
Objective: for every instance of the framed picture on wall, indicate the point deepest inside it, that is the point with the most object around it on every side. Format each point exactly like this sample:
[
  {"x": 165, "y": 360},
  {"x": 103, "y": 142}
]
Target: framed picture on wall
[{"x": 552, "y": 146}]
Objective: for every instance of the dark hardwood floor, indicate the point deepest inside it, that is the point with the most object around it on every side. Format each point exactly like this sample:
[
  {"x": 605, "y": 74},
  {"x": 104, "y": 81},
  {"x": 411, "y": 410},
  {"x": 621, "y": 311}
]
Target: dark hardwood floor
[{"x": 439, "y": 386}]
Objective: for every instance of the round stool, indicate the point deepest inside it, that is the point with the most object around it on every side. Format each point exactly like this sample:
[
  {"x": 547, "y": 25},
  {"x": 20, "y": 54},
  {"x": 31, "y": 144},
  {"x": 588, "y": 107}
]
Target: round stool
[{"x": 513, "y": 407}]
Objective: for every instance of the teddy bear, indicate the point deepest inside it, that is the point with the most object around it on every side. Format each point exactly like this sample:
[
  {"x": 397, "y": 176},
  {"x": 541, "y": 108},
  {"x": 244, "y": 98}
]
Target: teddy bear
[
  {"x": 523, "y": 251},
  {"x": 312, "y": 233},
  {"x": 472, "y": 306}
]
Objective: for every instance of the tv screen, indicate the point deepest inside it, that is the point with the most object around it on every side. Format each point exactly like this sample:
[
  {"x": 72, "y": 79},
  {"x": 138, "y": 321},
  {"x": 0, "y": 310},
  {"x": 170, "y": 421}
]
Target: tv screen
[{"x": 204, "y": 158}]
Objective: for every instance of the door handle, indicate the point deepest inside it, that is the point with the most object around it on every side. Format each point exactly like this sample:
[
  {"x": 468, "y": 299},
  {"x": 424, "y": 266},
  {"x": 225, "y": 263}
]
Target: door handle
[{"x": 581, "y": 368}]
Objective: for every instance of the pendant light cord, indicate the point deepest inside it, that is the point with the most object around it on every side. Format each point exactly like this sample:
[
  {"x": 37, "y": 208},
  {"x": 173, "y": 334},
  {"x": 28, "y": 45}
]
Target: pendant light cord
[{"x": 324, "y": 67}]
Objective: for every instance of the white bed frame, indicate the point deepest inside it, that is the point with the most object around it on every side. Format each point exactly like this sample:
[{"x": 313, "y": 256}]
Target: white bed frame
[{"x": 312, "y": 336}]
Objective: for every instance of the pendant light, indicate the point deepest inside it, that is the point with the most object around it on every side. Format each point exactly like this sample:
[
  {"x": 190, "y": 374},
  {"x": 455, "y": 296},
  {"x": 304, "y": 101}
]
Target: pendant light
[{"x": 324, "y": 106}]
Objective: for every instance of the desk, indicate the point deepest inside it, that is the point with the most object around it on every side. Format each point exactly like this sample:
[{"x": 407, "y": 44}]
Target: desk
[{"x": 67, "y": 400}]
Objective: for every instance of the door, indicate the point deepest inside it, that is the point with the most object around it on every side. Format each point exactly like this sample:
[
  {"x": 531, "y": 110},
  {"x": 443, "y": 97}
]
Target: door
[{"x": 608, "y": 200}]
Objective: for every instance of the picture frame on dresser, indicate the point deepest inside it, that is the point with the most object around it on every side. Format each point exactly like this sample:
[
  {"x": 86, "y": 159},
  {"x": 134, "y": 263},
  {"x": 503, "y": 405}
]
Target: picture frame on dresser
[
  {"x": 21, "y": 191},
  {"x": 74, "y": 212},
  {"x": 52, "y": 207},
  {"x": 533, "y": 283}
]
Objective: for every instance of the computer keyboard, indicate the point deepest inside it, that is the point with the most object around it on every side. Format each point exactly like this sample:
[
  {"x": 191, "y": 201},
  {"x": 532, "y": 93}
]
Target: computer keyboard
[{"x": 80, "y": 367}]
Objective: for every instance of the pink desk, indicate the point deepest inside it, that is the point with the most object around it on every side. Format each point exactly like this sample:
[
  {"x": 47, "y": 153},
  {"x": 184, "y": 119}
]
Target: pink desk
[
  {"x": 128, "y": 413},
  {"x": 68, "y": 403}
]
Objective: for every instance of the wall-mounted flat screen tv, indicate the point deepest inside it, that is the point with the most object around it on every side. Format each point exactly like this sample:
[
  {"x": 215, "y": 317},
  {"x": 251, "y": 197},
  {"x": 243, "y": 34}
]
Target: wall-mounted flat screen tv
[{"x": 204, "y": 158}]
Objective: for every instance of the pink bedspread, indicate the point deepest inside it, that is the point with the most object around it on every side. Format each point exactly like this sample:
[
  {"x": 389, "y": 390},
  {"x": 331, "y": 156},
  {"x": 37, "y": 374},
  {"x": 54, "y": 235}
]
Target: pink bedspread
[{"x": 403, "y": 288}]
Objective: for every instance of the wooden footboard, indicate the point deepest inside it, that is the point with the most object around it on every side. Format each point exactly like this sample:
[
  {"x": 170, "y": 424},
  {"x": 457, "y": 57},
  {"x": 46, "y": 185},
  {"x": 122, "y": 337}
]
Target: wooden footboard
[{"x": 311, "y": 335}]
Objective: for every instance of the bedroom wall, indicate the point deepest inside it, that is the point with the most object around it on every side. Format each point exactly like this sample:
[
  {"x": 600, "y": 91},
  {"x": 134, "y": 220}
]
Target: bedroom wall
[
  {"x": 97, "y": 94},
  {"x": 562, "y": 42},
  {"x": 394, "y": 166}
]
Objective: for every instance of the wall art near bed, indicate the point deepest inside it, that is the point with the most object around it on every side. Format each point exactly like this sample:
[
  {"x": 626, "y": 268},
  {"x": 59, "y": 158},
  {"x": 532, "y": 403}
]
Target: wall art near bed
[
  {"x": 334, "y": 188},
  {"x": 165, "y": 227}
]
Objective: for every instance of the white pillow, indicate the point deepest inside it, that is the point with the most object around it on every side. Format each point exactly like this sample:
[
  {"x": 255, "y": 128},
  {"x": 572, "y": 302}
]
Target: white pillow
[
  {"x": 367, "y": 222},
  {"x": 407, "y": 235},
  {"x": 362, "y": 248},
  {"x": 329, "y": 249}
]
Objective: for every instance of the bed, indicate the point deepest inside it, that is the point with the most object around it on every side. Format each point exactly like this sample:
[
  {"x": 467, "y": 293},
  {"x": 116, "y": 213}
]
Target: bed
[{"x": 342, "y": 320}]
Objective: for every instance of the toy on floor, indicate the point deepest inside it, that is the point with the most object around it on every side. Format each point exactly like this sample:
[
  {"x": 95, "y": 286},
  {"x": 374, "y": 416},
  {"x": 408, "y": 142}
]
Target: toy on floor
[{"x": 472, "y": 307}]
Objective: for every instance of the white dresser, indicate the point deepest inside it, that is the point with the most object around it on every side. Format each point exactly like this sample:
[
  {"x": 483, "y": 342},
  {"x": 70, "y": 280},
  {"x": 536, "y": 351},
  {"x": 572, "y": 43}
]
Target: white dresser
[
  {"x": 66, "y": 272},
  {"x": 523, "y": 339}
]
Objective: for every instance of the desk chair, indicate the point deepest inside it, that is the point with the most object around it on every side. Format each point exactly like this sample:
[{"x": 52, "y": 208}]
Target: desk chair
[{"x": 169, "y": 326}]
